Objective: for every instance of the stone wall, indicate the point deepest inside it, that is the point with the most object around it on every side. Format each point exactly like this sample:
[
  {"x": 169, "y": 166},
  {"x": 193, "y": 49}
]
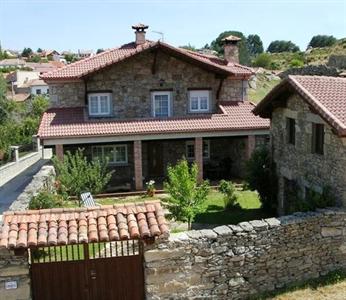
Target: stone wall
[
  {"x": 319, "y": 70},
  {"x": 43, "y": 179},
  {"x": 337, "y": 61},
  {"x": 132, "y": 81},
  {"x": 296, "y": 162},
  {"x": 14, "y": 270},
  {"x": 237, "y": 261}
]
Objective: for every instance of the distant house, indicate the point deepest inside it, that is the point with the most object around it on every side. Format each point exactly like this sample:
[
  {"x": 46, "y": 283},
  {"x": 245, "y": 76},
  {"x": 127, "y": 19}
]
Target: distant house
[
  {"x": 45, "y": 67},
  {"x": 19, "y": 79},
  {"x": 308, "y": 136},
  {"x": 37, "y": 87},
  {"x": 85, "y": 53},
  {"x": 12, "y": 63},
  {"x": 147, "y": 104}
]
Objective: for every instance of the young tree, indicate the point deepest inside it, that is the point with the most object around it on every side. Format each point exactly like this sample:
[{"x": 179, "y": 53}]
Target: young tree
[
  {"x": 76, "y": 174},
  {"x": 39, "y": 50},
  {"x": 100, "y": 51},
  {"x": 254, "y": 44},
  {"x": 186, "y": 196},
  {"x": 217, "y": 45}
]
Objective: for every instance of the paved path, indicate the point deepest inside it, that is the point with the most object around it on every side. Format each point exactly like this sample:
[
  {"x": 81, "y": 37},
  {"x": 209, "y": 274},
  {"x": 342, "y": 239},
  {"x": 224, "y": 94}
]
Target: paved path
[{"x": 12, "y": 189}]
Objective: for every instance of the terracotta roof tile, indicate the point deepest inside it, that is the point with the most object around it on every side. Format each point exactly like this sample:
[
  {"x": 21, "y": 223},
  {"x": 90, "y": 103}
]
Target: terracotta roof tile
[
  {"x": 327, "y": 95},
  {"x": 50, "y": 227},
  {"x": 71, "y": 122},
  {"x": 94, "y": 63}
]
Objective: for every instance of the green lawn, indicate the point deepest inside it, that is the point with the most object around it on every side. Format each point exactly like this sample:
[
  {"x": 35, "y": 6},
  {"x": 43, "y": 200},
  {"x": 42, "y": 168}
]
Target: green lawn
[
  {"x": 214, "y": 212},
  {"x": 263, "y": 88},
  {"x": 213, "y": 209}
]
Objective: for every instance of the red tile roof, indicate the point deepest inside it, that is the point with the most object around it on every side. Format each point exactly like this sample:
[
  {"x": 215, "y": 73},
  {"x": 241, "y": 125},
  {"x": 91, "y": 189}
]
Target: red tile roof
[
  {"x": 63, "y": 226},
  {"x": 73, "y": 122},
  {"x": 326, "y": 95},
  {"x": 91, "y": 64}
]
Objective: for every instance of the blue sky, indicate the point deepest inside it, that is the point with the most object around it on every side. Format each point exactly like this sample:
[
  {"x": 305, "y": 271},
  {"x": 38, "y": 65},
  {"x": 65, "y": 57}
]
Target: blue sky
[{"x": 78, "y": 24}]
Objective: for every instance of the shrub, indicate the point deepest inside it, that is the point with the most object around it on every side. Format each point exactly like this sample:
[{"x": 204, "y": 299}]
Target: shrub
[
  {"x": 76, "y": 174},
  {"x": 186, "y": 196},
  {"x": 45, "y": 199},
  {"x": 228, "y": 190},
  {"x": 261, "y": 176},
  {"x": 263, "y": 60},
  {"x": 296, "y": 63},
  {"x": 322, "y": 41}
]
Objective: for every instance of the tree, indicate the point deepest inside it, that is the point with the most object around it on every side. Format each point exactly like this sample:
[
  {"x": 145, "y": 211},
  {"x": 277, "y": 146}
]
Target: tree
[
  {"x": 26, "y": 52},
  {"x": 282, "y": 46},
  {"x": 263, "y": 60},
  {"x": 39, "y": 50},
  {"x": 217, "y": 45},
  {"x": 322, "y": 41},
  {"x": 254, "y": 44},
  {"x": 35, "y": 58},
  {"x": 70, "y": 57},
  {"x": 75, "y": 174},
  {"x": 261, "y": 176},
  {"x": 186, "y": 196},
  {"x": 100, "y": 51}
]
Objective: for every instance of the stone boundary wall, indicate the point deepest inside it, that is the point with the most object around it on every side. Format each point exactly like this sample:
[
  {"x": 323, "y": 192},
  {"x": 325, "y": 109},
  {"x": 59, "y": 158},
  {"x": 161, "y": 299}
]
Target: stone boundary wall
[
  {"x": 43, "y": 179},
  {"x": 337, "y": 61},
  {"x": 12, "y": 169},
  {"x": 14, "y": 270},
  {"x": 320, "y": 70},
  {"x": 238, "y": 261}
]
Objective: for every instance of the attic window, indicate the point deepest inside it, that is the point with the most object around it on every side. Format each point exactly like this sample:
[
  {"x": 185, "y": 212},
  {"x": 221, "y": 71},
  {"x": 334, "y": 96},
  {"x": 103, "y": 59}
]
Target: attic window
[
  {"x": 99, "y": 104},
  {"x": 199, "y": 101}
]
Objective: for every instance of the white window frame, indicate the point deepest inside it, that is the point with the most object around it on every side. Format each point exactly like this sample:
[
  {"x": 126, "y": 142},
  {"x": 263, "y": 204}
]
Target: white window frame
[
  {"x": 160, "y": 93},
  {"x": 111, "y": 162},
  {"x": 192, "y": 143},
  {"x": 199, "y": 94},
  {"x": 99, "y": 113}
]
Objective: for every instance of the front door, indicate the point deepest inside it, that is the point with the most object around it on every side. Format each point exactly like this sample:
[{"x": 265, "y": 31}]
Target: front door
[{"x": 155, "y": 159}]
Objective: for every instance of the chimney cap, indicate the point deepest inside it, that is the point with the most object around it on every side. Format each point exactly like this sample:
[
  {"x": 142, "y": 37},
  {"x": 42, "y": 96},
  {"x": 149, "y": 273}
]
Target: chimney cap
[
  {"x": 140, "y": 27},
  {"x": 231, "y": 38}
]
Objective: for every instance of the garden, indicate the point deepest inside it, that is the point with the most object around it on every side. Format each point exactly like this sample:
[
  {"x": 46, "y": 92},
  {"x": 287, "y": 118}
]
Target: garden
[{"x": 186, "y": 200}]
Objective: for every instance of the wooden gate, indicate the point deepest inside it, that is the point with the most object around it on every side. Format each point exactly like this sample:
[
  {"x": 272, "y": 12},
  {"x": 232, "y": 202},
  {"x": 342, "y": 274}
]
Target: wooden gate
[{"x": 109, "y": 270}]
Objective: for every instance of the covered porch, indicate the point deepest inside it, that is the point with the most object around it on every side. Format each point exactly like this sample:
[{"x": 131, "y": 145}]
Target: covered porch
[{"x": 135, "y": 162}]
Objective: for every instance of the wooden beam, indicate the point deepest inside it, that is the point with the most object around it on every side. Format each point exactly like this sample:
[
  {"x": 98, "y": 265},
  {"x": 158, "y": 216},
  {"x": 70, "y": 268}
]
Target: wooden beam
[{"x": 219, "y": 88}]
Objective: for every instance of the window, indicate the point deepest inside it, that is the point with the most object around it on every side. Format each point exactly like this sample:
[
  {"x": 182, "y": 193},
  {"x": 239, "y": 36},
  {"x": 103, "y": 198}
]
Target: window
[
  {"x": 38, "y": 91},
  {"x": 190, "y": 149},
  {"x": 291, "y": 131},
  {"x": 199, "y": 101},
  {"x": 317, "y": 142},
  {"x": 99, "y": 104},
  {"x": 116, "y": 154},
  {"x": 47, "y": 91},
  {"x": 161, "y": 104}
]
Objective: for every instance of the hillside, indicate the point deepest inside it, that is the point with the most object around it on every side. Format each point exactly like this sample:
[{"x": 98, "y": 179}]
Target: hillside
[{"x": 314, "y": 56}]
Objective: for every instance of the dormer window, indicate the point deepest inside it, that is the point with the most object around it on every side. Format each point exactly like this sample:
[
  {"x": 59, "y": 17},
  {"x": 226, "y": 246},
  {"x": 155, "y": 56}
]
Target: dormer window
[
  {"x": 99, "y": 104},
  {"x": 199, "y": 101}
]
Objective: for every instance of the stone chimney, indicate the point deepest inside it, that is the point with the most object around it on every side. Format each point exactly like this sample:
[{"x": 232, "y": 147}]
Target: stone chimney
[
  {"x": 140, "y": 33},
  {"x": 231, "y": 51}
]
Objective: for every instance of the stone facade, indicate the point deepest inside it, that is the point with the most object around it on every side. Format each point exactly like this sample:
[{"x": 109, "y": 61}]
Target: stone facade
[
  {"x": 132, "y": 81},
  {"x": 14, "y": 269},
  {"x": 239, "y": 261},
  {"x": 297, "y": 162}
]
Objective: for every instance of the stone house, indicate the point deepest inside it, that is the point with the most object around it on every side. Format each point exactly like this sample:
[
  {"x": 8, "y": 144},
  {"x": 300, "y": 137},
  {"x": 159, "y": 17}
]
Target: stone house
[
  {"x": 308, "y": 135},
  {"x": 147, "y": 104}
]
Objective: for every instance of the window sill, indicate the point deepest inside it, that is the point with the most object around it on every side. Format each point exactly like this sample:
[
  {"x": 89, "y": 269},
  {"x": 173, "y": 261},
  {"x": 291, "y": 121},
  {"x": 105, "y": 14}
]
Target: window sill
[{"x": 118, "y": 164}]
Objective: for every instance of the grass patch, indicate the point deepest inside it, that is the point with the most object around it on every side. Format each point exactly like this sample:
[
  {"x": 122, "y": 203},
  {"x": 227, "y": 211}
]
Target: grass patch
[
  {"x": 215, "y": 213},
  {"x": 330, "y": 286},
  {"x": 263, "y": 88}
]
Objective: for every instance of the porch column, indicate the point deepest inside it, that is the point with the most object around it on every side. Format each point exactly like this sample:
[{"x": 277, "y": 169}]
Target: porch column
[
  {"x": 137, "y": 154},
  {"x": 59, "y": 151},
  {"x": 199, "y": 157},
  {"x": 250, "y": 145}
]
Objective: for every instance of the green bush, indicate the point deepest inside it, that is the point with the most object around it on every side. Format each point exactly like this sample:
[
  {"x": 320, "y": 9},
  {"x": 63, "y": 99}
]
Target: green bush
[
  {"x": 261, "y": 176},
  {"x": 263, "y": 60},
  {"x": 45, "y": 199},
  {"x": 296, "y": 63},
  {"x": 186, "y": 196},
  {"x": 75, "y": 174},
  {"x": 228, "y": 190}
]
